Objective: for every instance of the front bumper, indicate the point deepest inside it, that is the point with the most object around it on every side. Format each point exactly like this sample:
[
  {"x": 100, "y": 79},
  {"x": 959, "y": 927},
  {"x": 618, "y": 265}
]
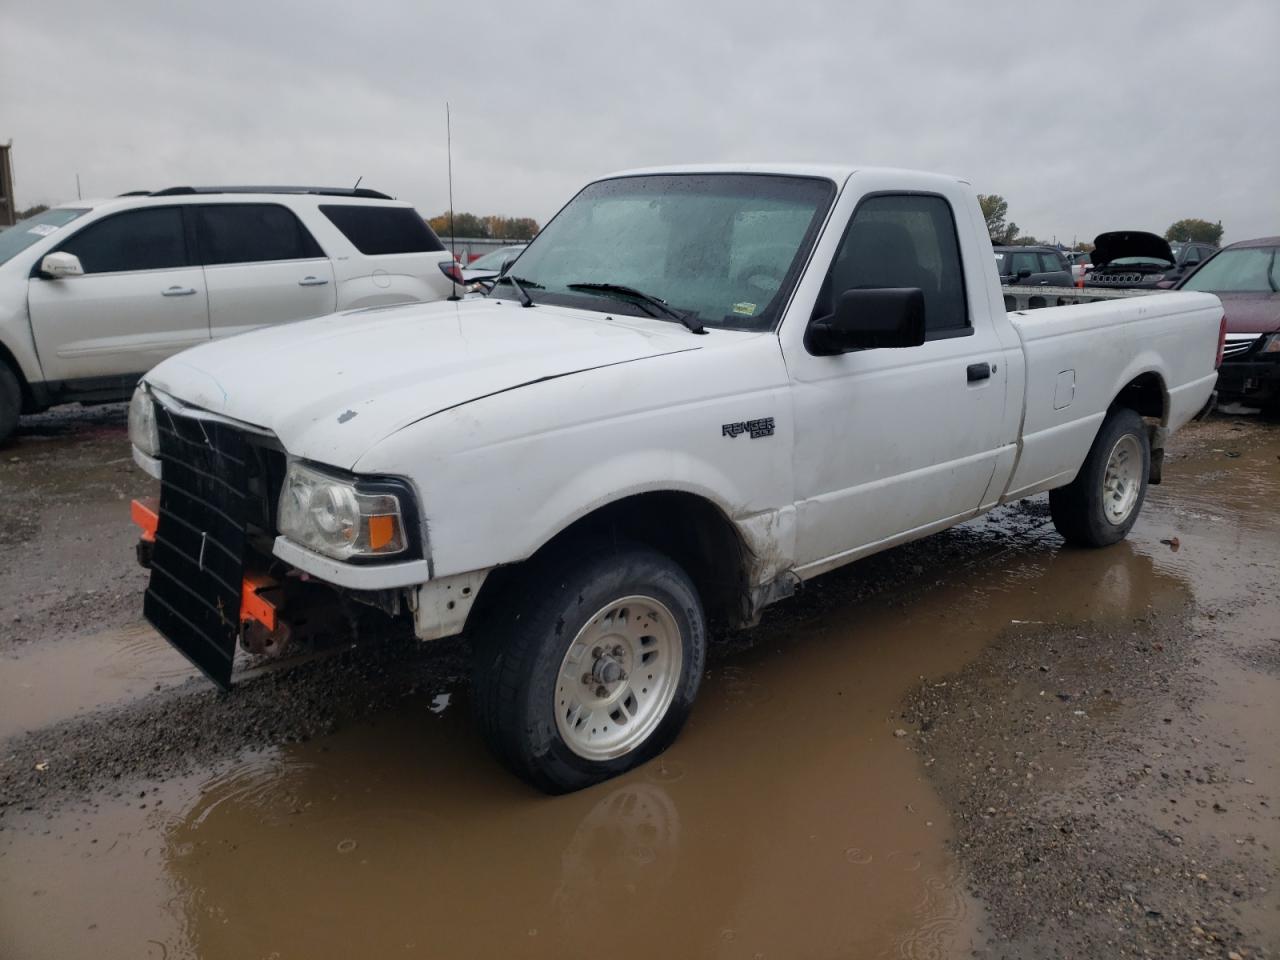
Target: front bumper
[
  {"x": 1256, "y": 381},
  {"x": 353, "y": 576}
]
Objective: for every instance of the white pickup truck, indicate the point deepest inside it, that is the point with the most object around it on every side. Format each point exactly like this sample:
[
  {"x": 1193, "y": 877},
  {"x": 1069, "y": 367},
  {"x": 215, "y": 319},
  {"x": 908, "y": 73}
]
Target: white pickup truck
[{"x": 696, "y": 389}]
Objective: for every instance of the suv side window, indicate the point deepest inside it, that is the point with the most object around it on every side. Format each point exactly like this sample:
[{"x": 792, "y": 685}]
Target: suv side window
[
  {"x": 148, "y": 239},
  {"x": 1025, "y": 261},
  {"x": 903, "y": 241},
  {"x": 252, "y": 233},
  {"x": 381, "y": 230},
  {"x": 1053, "y": 263}
]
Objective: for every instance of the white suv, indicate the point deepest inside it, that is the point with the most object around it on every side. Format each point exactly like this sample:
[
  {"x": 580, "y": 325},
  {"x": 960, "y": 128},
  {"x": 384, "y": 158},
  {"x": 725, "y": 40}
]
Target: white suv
[{"x": 95, "y": 293}]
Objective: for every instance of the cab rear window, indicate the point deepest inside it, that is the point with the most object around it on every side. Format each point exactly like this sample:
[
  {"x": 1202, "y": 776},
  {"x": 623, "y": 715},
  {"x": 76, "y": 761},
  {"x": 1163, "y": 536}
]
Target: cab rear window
[{"x": 383, "y": 230}]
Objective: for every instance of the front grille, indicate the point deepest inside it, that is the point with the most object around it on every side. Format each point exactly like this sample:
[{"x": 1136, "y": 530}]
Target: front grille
[
  {"x": 197, "y": 568},
  {"x": 1238, "y": 346},
  {"x": 1117, "y": 278}
]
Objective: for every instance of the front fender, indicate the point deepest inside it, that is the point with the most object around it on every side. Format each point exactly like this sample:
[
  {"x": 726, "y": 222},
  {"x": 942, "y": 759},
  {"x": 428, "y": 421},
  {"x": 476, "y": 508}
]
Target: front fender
[{"x": 501, "y": 476}]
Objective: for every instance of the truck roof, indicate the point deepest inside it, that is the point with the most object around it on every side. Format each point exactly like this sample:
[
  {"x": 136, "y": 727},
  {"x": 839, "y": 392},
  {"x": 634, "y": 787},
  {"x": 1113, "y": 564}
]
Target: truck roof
[{"x": 831, "y": 171}]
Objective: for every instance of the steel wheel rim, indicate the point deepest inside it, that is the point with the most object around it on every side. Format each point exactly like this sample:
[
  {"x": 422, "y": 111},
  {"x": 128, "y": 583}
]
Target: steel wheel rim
[
  {"x": 618, "y": 678},
  {"x": 1122, "y": 480}
]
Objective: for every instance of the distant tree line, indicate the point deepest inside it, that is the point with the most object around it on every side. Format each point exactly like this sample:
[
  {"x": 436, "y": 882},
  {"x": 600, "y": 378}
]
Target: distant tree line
[
  {"x": 1004, "y": 232},
  {"x": 492, "y": 226}
]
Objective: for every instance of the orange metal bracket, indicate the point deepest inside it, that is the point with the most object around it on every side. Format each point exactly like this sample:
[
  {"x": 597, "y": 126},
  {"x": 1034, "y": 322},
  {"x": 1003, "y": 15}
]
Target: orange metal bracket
[{"x": 253, "y": 605}]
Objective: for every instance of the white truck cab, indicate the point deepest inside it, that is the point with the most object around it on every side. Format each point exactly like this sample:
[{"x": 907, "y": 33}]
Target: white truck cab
[
  {"x": 696, "y": 389},
  {"x": 95, "y": 293}
]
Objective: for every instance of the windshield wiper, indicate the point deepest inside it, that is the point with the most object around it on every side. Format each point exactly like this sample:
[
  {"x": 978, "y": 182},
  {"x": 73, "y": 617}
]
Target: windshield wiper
[
  {"x": 631, "y": 293},
  {"x": 518, "y": 285}
]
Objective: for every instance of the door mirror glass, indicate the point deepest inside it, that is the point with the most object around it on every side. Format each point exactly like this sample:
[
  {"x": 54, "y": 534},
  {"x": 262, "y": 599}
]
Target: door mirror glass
[
  {"x": 54, "y": 266},
  {"x": 868, "y": 318}
]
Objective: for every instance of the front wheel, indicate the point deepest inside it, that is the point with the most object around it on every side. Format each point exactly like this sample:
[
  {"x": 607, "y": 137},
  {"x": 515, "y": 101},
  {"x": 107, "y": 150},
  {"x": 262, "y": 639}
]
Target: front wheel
[
  {"x": 1101, "y": 505},
  {"x": 592, "y": 668}
]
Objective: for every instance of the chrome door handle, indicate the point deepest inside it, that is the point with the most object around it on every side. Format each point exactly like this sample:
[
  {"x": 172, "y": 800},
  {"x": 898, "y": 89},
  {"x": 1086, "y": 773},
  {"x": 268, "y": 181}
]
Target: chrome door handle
[
  {"x": 312, "y": 282},
  {"x": 178, "y": 292}
]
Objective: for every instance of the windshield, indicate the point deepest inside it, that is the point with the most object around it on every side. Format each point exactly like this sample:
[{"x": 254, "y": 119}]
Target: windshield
[
  {"x": 724, "y": 249},
  {"x": 1245, "y": 270},
  {"x": 26, "y": 232},
  {"x": 495, "y": 259}
]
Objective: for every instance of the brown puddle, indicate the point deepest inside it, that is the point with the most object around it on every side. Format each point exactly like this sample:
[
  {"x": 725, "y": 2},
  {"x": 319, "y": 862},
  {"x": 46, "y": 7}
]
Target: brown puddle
[
  {"x": 43, "y": 683},
  {"x": 787, "y": 821}
]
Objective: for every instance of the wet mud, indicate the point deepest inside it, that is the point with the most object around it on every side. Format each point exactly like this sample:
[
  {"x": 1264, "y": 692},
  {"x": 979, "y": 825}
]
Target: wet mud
[
  {"x": 883, "y": 769},
  {"x": 1114, "y": 784}
]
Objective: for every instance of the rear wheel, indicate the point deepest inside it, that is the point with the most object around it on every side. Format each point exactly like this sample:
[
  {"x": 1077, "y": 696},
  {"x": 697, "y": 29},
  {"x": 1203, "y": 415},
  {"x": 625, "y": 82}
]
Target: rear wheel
[
  {"x": 1101, "y": 505},
  {"x": 592, "y": 667},
  {"x": 10, "y": 401}
]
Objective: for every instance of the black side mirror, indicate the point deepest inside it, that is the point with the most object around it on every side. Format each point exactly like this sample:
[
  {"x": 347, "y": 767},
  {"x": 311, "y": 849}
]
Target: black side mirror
[
  {"x": 1024, "y": 273},
  {"x": 866, "y": 319}
]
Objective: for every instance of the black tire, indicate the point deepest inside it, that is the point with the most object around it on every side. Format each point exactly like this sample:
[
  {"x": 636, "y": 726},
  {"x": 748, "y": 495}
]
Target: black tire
[
  {"x": 10, "y": 402},
  {"x": 1080, "y": 509},
  {"x": 518, "y": 658}
]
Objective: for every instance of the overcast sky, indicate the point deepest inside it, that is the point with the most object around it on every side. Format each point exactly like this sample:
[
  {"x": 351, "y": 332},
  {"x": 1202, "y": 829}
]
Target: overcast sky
[{"x": 1084, "y": 116}]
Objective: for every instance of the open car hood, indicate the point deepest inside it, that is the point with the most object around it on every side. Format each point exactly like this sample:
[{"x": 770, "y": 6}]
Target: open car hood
[{"x": 1129, "y": 243}]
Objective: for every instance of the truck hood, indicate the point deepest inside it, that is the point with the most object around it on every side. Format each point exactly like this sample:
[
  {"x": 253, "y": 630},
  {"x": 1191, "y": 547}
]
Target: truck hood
[
  {"x": 1129, "y": 243},
  {"x": 332, "y": 387}
]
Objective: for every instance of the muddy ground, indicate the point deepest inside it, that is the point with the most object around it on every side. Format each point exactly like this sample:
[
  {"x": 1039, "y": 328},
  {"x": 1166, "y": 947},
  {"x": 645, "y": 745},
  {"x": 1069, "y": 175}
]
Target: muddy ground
[{"x": 982, "y": 744}]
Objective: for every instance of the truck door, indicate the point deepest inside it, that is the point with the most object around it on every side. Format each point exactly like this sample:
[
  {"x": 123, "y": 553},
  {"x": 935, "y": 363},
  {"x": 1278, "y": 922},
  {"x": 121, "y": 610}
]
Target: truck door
[
  {"x": 893, "y": 441},
  {"x": 140, "y": 300},
  {"x": 261, "y": 265}
]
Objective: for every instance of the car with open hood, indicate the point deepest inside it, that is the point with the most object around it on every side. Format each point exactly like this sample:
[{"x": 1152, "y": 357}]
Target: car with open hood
[{"x": 1137, "y": 260}]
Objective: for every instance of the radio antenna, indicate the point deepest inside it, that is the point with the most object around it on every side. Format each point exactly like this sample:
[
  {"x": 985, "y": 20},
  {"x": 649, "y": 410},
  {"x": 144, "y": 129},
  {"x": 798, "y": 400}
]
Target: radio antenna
[
  {"x": 357, "y": 186},
  {"x": 448, "y": 139}
]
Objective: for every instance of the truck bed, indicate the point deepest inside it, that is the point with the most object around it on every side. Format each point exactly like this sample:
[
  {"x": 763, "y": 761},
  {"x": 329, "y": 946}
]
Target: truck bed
[{"x": 1072, "y": 371}]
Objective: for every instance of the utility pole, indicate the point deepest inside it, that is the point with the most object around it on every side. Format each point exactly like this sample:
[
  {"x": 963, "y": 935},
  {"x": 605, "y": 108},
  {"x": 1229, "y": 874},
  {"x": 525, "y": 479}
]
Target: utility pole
[{"x": 8, "y": 203}]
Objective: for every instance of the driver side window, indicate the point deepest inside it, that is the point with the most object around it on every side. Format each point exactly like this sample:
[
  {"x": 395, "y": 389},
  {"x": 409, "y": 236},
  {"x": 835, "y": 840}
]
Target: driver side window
[
  {"x": 904, "y": 240},
  {"x": 148, "y": 239}
]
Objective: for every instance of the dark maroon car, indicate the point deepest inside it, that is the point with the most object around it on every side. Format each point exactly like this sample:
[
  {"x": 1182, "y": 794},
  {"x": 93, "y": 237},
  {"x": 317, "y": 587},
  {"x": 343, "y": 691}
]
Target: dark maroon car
[{"x": 1246, "y": 277}]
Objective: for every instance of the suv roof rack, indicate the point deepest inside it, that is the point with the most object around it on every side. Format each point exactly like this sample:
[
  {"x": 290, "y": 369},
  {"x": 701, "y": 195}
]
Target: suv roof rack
[{"x": 322, "y": 191}]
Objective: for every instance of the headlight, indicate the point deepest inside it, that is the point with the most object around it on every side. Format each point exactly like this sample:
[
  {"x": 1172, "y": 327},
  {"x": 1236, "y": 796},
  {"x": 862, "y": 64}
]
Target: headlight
[
  {"x": 143, "y": 432},
  {"x": 333, "y": 516},
  {"x": 1271, "y": 344}
]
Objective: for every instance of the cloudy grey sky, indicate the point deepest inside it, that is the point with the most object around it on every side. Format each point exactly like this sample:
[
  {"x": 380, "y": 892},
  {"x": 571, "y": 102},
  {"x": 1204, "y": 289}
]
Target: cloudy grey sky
[{"x": 1086, "y": 116}]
